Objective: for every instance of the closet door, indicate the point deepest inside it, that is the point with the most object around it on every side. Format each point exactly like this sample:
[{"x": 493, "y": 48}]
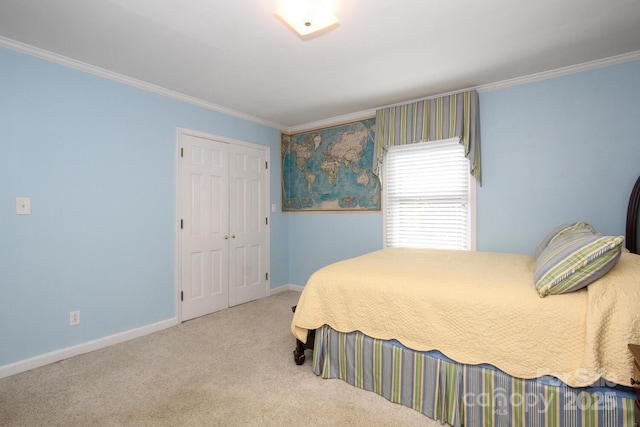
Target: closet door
[
  {"x": 205, "y": 224},
  {"x": 248, "y": 224},
  {"x": 223, "y": 205}
]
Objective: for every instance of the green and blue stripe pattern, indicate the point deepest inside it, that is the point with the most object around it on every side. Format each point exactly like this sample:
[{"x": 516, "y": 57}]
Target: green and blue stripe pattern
[
  {"x": 465, "y": 395},
  {"x": 573, "y": 258}
]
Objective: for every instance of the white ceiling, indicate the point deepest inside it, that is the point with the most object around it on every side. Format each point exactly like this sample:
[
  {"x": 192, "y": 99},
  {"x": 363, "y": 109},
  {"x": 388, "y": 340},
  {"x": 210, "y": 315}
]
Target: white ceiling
[{"x": 239, "y": 56}]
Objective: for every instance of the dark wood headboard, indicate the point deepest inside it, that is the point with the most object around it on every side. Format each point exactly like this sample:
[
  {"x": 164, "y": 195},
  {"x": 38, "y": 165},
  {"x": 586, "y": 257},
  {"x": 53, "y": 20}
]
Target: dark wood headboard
[{"x": 632, "y": 219}]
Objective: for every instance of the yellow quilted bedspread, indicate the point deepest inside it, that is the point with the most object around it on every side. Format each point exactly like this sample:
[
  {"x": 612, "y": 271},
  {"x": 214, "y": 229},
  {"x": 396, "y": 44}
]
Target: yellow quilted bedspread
[{"x": 481, "y": 307}]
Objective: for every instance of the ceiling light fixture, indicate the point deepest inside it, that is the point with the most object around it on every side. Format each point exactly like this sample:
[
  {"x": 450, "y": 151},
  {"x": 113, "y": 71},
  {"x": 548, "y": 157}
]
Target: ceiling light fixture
[{"x": 307, "y": 17}]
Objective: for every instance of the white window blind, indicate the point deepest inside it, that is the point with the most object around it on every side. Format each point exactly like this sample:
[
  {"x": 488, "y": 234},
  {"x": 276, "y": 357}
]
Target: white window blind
[{"x": 427, "y": 196}]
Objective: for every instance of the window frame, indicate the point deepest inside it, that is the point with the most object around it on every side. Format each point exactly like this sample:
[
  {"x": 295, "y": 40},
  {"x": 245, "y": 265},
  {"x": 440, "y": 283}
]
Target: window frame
[{"x": 472, "y": 190}]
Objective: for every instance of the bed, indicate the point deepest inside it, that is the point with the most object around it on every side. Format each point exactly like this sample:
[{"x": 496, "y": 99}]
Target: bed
[{"x": 478, "y": 338}]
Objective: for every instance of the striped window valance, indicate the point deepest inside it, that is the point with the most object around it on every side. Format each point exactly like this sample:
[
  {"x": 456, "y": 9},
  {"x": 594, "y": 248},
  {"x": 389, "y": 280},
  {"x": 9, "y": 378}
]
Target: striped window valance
[{"x": 431, "y": 120}]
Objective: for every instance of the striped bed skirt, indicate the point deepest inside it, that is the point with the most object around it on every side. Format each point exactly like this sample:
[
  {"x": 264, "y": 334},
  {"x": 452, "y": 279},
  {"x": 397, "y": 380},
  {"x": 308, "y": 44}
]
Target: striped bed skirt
[{"x": 465, "y": 395}]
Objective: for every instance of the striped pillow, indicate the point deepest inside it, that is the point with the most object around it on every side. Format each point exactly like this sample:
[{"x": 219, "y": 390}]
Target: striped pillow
[
  {"x": 544, "y": 242},
  {"x": 574, "y": 258}
]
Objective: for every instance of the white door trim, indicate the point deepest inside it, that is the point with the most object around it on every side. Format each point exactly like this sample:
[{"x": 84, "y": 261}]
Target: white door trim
[{"x": 180, "y": 132}]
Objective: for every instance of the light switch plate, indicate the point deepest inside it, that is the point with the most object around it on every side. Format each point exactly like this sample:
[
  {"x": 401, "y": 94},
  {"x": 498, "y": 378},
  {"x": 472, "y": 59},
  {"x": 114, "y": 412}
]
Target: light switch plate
[{"x": 23, "y": 206}]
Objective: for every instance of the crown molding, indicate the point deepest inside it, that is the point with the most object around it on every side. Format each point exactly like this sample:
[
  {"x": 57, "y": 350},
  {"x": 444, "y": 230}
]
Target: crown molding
[
  {"x": 559, "y": 72},
  {"x": 332, "y": 121},
  {"x": 129, "y": 81},
  {"x": 587, "y": 66}
]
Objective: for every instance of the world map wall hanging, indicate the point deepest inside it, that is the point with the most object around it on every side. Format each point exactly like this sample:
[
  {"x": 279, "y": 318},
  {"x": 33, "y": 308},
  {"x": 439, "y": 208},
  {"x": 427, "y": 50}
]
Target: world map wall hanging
[{"x": 330, "y": 169}]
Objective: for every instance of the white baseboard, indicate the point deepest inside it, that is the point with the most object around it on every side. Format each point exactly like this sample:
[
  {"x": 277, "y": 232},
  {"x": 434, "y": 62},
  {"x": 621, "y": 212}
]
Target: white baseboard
[
  {"x": 284, "y": 288},
  {"x": 65, "y": 353}
]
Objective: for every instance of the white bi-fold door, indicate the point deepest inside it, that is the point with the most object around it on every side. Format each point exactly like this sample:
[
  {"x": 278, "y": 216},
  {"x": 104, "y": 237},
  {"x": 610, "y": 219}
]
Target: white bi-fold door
[{"x": 224, "y": 223}]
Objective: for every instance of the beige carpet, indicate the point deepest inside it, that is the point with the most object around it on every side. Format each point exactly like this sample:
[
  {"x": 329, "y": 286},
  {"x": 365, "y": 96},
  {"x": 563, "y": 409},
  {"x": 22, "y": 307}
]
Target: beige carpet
[{"x": 231, "y": 368}]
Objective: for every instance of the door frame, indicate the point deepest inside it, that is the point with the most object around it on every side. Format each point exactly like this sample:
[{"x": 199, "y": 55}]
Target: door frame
[{"x": 180, "y": 132}]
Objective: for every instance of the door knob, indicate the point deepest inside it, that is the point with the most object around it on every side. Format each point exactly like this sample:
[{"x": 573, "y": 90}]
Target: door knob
[
  {"x": 233, "y": 236},
  {"x": 226, "y": 237}
]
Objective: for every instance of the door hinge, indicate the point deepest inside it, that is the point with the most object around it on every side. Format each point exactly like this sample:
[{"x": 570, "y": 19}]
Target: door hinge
[
  {"x": 266, "y": 165},
  {"x": 266, "y": 275},
  {"x": 181, "y": 151},
  {"x": 266, "y": 221},
  {"x": 181, "y": 224},
  {"x": 181, "y": 295}
]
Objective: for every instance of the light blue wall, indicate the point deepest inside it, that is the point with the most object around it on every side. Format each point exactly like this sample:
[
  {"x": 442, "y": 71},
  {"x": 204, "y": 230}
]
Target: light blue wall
[
  {"x": 560, "y": 150},
  {"x": 321, "y": 239},
  {"x": 97, "y": 159}
]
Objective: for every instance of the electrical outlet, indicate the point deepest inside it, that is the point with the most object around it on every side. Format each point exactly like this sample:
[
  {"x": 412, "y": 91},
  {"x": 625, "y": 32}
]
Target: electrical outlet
[{"x": 74, "y": 318}]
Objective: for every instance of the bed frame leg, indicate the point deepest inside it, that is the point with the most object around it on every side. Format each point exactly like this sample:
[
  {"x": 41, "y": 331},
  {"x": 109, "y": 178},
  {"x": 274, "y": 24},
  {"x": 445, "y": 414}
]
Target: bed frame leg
[{"x": 298, "y": 353}]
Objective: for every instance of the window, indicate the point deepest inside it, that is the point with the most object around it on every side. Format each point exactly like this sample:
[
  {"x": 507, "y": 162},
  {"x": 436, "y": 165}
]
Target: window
[{"x": 428, "y": 196}]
